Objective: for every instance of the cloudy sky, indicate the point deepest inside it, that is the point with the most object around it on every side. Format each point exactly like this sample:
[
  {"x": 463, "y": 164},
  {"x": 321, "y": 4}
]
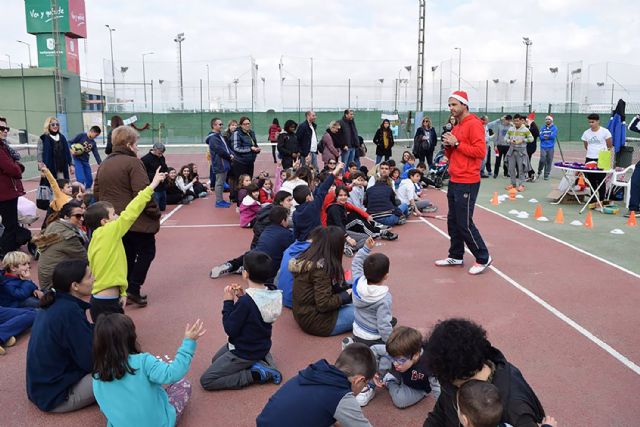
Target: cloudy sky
[{"x": 361, "y": 40}]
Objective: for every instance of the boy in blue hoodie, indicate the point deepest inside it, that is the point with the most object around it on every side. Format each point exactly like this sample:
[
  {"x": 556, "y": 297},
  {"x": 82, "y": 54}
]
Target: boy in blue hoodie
[
  {"x": 84, "y": 144},
  {"x": 17, "y": 290},
  {"x": 548, "y": 136},
  {"x": 307, "y": 214},
  {"x": 333, "y": 389},
  {"x": 247, "y": 317}
]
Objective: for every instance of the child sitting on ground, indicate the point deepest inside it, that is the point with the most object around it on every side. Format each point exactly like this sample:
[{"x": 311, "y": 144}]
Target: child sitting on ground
[
  {"x": 62, "y": 194},
  {"x": 17, "y": 290},
  {"x": 408, "y": 165},
  {"x": 479, "y": 405},
  {"x": 247, "y": 317},
  {"x": 241, "y": 188},
  {"x": 127, "y": 383},
  {"x": 408, "y": 195},
  {"x": 356, "y": 195},
  {"x": 323, "y": 394},
  {"x": 266, "y": 192},
  {"x": 106, "y": 253},
  {"x": 410, "y": 378},
  {"x": 250, "y": 206}
]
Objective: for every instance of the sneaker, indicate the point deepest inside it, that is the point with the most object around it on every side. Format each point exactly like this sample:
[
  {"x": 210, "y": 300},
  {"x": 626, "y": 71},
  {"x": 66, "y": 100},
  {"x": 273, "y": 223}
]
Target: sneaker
[
  {"x": 485, "y": 176},
  {"x": 479, "y": 268},
  {"x": 495, "y": 176},
  {"x": 9, "y": 343},
  {"x": 137, "y": 300},
  {"x": 367, "y": 393},
  {"x": 521, "y": 188},
  {"x": 347, "y": 341},
  {"x": 266, "y": 373},
  {"x": 447, "y": 262},
  {"x": 240, "y": 270},
  {"x": 430, "y": 209},
  {"x": 402, "y": 220},
  {"x": 223, "y": 204},
  {"x": 220, "y": 270},
  {"x": 381, "y": 226},
  {"x": 388, "y": 235},
  {"x": 348, "y": 252}
]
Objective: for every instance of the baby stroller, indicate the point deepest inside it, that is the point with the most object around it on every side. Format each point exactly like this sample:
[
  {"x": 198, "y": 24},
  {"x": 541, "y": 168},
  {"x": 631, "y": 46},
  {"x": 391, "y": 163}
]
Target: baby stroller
[{"x": 439, "y": 171}]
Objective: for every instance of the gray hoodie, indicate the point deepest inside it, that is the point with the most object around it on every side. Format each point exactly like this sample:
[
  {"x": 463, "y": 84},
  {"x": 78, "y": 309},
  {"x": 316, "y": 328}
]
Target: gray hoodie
[{"x": 372, "y": 304}]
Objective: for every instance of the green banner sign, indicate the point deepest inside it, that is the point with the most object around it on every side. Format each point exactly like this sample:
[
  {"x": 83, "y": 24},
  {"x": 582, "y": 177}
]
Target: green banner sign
[{"x": 69, "y": 13}]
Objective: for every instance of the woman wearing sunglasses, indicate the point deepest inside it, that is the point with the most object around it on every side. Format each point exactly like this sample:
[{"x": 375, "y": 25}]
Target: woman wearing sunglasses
[
  {"x": 10, "y": 190},
  {"x": 53, "y": 150}
]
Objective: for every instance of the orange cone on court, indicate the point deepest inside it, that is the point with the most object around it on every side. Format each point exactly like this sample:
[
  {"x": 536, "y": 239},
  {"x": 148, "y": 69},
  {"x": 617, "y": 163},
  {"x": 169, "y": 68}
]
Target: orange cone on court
[
  {"x": 631, "y": 222},
  {"x": 581, "y": 182},
  {"x": 494, "y": 199},
  {"x": 512, "y": 193},
  {"x": 538, "y": 213},
  {"x": 588, "y": 222},
  {"x": 559, "y": 217}
]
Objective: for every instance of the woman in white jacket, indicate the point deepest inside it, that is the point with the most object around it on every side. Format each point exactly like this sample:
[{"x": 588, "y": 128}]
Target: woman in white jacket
[{"x": 185, "y": 184}]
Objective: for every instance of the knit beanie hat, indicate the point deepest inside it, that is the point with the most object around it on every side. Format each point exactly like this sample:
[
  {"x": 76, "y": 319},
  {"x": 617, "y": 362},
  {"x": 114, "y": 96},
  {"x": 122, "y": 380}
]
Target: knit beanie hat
[{"x": 549, "y": 118}]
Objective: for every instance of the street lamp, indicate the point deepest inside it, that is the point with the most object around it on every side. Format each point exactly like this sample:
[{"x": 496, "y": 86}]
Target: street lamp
[
  {"x": 527, "y": 42},
  {"x": 235, "y": 82},
  {"x": 144, "y": 77},
  {"x": 208, "y": 89},
  {"x": 113, "y": 67},
  {"x": 459, "y": 49},
  {"x": 179, "y": 39},
  {"x": 264, "y": 92},
  {"x": 28, "y": 47}
]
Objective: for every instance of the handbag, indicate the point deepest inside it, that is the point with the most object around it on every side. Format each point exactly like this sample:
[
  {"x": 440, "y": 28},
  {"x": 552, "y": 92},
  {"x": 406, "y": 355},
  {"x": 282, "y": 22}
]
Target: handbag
[
  {"x": 362, "y": 150},
  {"x": 43, "y": 195}
]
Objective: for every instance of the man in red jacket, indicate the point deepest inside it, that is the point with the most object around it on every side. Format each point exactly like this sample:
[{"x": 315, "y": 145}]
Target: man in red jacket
[
  {"x": 465, "y": 148},
  {"x": 10, "y": 189}
]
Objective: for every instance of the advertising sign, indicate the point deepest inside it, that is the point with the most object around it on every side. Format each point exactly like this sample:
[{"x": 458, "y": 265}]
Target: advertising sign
[{"x": 69, "y": 13}]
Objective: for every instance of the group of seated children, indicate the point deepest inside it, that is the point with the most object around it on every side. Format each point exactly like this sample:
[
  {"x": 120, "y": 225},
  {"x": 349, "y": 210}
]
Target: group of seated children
[{"x": 185, "y": 186}]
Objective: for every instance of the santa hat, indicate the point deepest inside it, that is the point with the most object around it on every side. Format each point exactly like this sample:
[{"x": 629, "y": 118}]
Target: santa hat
[
  {"x": 461, "y": 96},
  {"x": 549, "y": 117},
  {"x": 532, "y": 116}
]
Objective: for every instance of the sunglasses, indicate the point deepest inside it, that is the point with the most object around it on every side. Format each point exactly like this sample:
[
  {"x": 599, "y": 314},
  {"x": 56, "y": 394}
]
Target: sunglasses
[
  {"x": 78, "y": 216},
  {"x": 245, "y": 123},
  {"x": 53, "y": 125},
  {"x": 4, "y": 129},
  {"x": 332, "y": 163}
]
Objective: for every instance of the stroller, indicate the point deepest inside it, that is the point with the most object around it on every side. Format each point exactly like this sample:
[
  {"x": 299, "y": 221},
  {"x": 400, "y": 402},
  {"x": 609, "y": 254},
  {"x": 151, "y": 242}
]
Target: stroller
[{"x": 439, "y": 171}]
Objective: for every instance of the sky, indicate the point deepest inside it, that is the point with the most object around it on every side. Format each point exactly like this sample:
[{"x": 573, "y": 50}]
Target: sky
[{"x": 362, "y": 40}]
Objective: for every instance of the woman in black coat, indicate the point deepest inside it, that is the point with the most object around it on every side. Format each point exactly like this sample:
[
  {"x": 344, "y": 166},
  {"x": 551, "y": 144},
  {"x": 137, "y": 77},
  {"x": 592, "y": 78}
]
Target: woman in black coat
[
  {"x": 424, "y": 142},
  {"x": 53, "y": 150},
  {"x": 383, "y": 140},
  {"x": 288, "y": 146}
]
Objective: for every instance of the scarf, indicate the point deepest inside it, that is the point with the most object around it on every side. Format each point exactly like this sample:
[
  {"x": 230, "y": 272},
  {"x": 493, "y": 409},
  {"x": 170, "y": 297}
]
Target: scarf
[
  {"x": 335, "y": 138},
  {"x": 385, "y": 139}
]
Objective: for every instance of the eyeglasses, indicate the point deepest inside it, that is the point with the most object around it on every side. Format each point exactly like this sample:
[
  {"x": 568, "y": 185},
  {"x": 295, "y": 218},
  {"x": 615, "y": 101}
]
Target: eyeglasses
[
  {"x": 4, "y": 129},
  {"x": 399, "y": 360},
  {"x": 78, "y": 216},
  {"x": 245, "y": 123},
  {"x": 332, "y": 163},
  {"x": 53, "y": 125}
]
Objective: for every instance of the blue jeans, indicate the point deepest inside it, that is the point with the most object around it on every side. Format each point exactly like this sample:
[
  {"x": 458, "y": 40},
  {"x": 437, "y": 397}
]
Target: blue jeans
[
  {"x": 314, "y": 160},
  {"x": 344, "y": 322},
  {"x": 404, "y": 208},
  {"x": 389, "y": 220},
  {"x": 348, "y": 156},
  {"x": 160, "y": 198},
  {"x": 83, "y": 172},
  {"x": 634, "y": 195},
  {"x": 379, "y": 158},
  {"x": 462, "y": 201}
]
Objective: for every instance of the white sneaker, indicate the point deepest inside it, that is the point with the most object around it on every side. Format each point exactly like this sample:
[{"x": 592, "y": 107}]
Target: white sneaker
[
  {"x": 367, "y": 393},
  {"x": 347, "y": 341},
  {"x": 447, "y": 262},
  {"x": 479, "y": 268},
  {"x": 220, "y": 270}
]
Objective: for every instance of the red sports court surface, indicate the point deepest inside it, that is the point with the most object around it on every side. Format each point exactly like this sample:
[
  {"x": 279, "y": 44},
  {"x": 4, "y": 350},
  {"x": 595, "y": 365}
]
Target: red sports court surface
[{"x": 567, "y": 320}]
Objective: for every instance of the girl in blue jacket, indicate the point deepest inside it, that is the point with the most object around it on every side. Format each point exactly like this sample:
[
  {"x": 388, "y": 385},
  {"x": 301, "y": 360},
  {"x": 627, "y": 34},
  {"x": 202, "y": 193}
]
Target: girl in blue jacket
[{"x": 127, "y": 383}]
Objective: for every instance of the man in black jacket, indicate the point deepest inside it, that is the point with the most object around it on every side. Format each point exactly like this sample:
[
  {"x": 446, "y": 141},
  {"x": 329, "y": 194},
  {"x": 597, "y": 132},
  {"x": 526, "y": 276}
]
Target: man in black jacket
[
  {"x": 349, "y": 134},
  {"x": 458, "y": 351},
  {"x": 153, "y": 160},
  {"x": 308, "y": 139}
]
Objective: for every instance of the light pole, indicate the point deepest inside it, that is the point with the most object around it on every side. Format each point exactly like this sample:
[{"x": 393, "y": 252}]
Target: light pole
[
  {"x": 123, "y": 70},
  {"x": 144, "y": 77},
  {"x": 28, "y": 47},
  {"x": 235, "y": 82},
  {"x": 459, "y": 49},
  {"x": 9, "y": 57},
  {"x": 113, "y": 67},
  {"x": 264, "y": 92},
  {"x": 208, "y": 89},
  {"x": 311, "y": 83},
  {"x": 433, "y": 81},
  {"x": 179, "y": 39},
  {"x": 527, "y": 42}
]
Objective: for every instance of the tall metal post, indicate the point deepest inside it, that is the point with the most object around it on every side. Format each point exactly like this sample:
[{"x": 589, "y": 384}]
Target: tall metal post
[
  {"x": 153, "y": 133},
  {"x": 57, "y": 79},
  {"x": 201, "y": 114},
  {"x": 311, "y": 83},
  {"x": 113, "y": 67},
  {"x": 570, "y": 107},
  {"x": 459, "y": 49},
  {"x": 179, "y": 39},
  {"x": 527, "y": 42},
  {"x": 349, "y": 93},
  {"x": 102, "y": 105},
  {"x": 486, "y": 97},
  {"x": 420, "y": 74},
  {"x": 440, "y": 105},
  {"x": 208, "y": 89},
  {"x": 144, "y": 78},
  {"x": 29, "y": 48},
  {"x": 24, "y": 101}
]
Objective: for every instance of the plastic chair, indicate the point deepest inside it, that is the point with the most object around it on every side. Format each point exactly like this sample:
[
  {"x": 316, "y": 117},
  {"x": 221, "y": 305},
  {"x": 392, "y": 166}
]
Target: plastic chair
[{"x": 622, "y": 178}]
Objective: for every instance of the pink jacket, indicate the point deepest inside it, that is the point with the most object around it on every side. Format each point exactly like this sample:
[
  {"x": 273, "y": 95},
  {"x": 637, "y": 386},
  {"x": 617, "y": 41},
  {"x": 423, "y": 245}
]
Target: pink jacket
[{"x": 248, "y": 210}]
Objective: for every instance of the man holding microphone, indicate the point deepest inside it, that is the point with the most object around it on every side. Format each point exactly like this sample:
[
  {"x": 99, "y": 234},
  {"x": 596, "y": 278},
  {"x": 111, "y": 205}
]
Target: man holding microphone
[{"x": 465, "y": 148}]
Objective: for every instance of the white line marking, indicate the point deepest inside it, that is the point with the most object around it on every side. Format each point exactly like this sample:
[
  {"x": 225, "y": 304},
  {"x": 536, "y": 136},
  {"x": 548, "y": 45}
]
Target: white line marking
[
  {"x": 597, "y": 341},
  {"x": 31, "y": 191},
  {"x": 202, "y": 226},
  {"x": 167, "y": 216},
  {"x": 555, "y": 239}
]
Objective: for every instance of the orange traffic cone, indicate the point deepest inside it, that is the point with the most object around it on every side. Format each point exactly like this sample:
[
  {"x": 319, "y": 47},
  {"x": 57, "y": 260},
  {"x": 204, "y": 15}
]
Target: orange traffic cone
[
  {"x": 494, "y": 199},
  {"x": 581, "y": 182},
  {"x": 538, "y": 213},
  {"x": 512, "y": 193},
  {"x": 631, "y": 222},
  {"x": 560, "y": 217},
  {"x": 588, "y": 222}
]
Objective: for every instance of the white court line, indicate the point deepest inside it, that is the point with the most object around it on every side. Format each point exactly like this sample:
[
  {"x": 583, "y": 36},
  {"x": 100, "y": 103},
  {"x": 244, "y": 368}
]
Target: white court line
[
  {"x": 591, "y": 337},
  {"x": 170, "y": 214}
]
